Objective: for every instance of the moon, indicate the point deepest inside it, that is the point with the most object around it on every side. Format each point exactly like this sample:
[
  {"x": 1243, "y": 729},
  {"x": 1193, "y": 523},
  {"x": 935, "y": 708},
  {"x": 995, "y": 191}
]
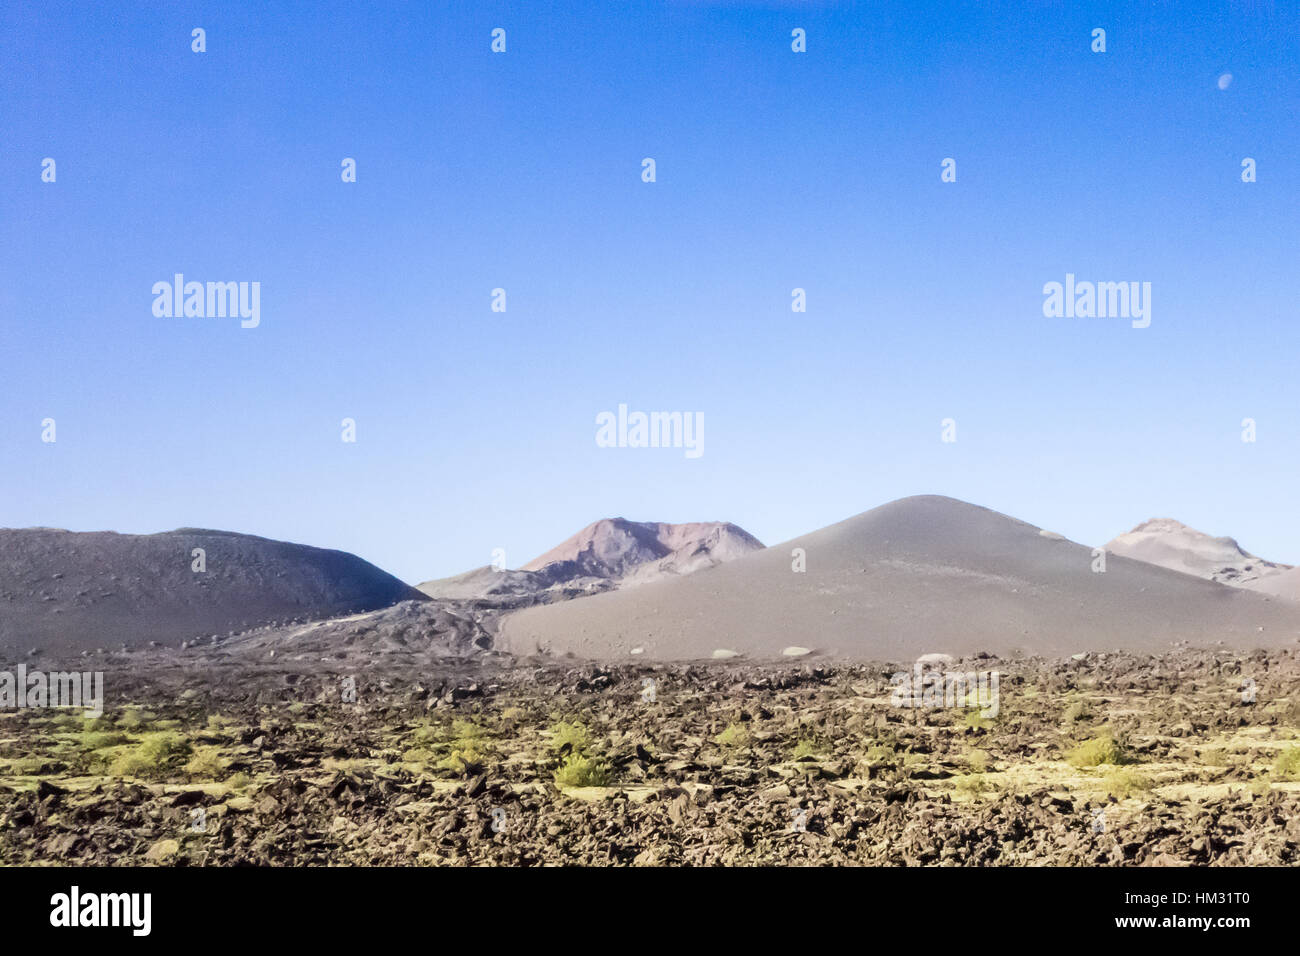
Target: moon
[{"x": 1225, "y": 80}]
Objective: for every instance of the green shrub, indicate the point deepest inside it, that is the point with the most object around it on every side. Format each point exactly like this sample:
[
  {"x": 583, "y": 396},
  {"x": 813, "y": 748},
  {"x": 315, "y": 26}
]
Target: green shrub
[
  {"x": 207, "y": 763},
  {"x": 99, "y": 739},
  {"x": 132, "y": 719},
  {"x": 578, "y": 770},
  {"x": 881, "y": 754},
  {"x": 419, "y": 755},
  {"x": 806, "y": 748},
  {"x": 734, "y": 735},
  {"x": 461, "y": 760},
  {"x": 425, "y": 734},
  {"x": 1287, "y": 766},
  {"x": 26, "y": 766},
  {"x": 153, "y": 757},
  {"x": 1216, "y": 757},
  {"x": 1075, "y": 710},
  {"x": 574, "y": 734},
  {"x": 217, "y": 723},
  {"x": 1102, "y": 749},
  {"x": 1123, "y": 782},
  {"x": 468, "y": 748},
  {"x": 465, "y": 731}
]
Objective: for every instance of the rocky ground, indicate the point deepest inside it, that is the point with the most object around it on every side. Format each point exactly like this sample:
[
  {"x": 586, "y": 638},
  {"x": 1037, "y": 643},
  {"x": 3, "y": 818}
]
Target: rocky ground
[{"x": 208, "y": 757}]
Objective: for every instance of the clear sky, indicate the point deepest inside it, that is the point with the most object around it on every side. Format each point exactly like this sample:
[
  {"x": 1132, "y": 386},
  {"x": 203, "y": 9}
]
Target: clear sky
[{"x": 522, "y": 170}]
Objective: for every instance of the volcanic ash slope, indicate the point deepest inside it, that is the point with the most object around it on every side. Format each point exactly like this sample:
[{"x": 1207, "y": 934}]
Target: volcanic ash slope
[
  {"x": 68, "y": 591},
  {"x": 1285, "y": 585},
  {"x": 607, "y": 554},
  {"x": 635, "y": 552},
  {"x": 920, "y": 575},
  {"x": 1172, "y": 544}
]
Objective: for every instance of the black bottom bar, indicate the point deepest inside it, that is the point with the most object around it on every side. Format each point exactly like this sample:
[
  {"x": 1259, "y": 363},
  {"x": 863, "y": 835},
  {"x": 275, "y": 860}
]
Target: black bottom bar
[{"x": 337, "y": 906}]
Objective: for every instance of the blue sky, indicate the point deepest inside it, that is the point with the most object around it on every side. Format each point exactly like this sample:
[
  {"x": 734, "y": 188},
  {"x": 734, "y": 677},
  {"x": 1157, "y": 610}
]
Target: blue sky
[{"x": 522, "y": 170}]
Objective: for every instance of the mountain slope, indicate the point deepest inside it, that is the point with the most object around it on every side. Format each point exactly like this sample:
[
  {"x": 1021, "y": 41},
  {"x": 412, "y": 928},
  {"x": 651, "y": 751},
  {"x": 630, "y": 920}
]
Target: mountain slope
[
  {"x": 616, "y": 548},
  {"x": 921, "y": 575},
  {"x": 610, "y": 553},
  {"x": 70, "y": 590},
  {"x": 1174, "y": 545},
  {"x": 1285, "y": 585}
]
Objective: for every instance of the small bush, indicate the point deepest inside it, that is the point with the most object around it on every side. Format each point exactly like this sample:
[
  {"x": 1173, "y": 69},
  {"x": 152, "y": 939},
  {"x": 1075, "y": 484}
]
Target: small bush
[
  {"x": 511, "y": 714},
  {"x": 734, "y": 735},
  {"x": 132, "y": 719},
  {"x": 973, "y": 784},
  {"x": 1216, "y": 757},
  {"x": 26, "y": 766},
  {"x": 581, "y": 771},
  {"x": 1102, "y": 749},
  {"x": 875, "y": 761},
  {"x": 461, "y": 760},
  {"x": 1287, "y": 766},
  {"x": 1122, "y": 783},
  {"x": 426, "y": 734},
  {"x": 468, "y": 748},
  {"x": 806, "y": 748},
  {"x": 881, "y": 754},
  {"x": 217, "y": 723},
  {"x": 153, "y": 757},
  {"x": 574, "y": 734},
  {"x": 348, "y": 765},
  {"x": 207, "y": 763},
  {"x": 1075, "y": 710},
  {"x": 467, "y": 731},
  {"x": 99, "y": 739},
  {"x": 978, "y": 761}
]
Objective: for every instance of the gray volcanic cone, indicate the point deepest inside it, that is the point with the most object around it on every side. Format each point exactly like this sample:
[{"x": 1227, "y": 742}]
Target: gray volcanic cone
[
  {"x": 607, "y": 554},
  {"x": 65, "y": 590},
  {"x": 920, "y": 575},
  {"x": 1172, "y": 544}
]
